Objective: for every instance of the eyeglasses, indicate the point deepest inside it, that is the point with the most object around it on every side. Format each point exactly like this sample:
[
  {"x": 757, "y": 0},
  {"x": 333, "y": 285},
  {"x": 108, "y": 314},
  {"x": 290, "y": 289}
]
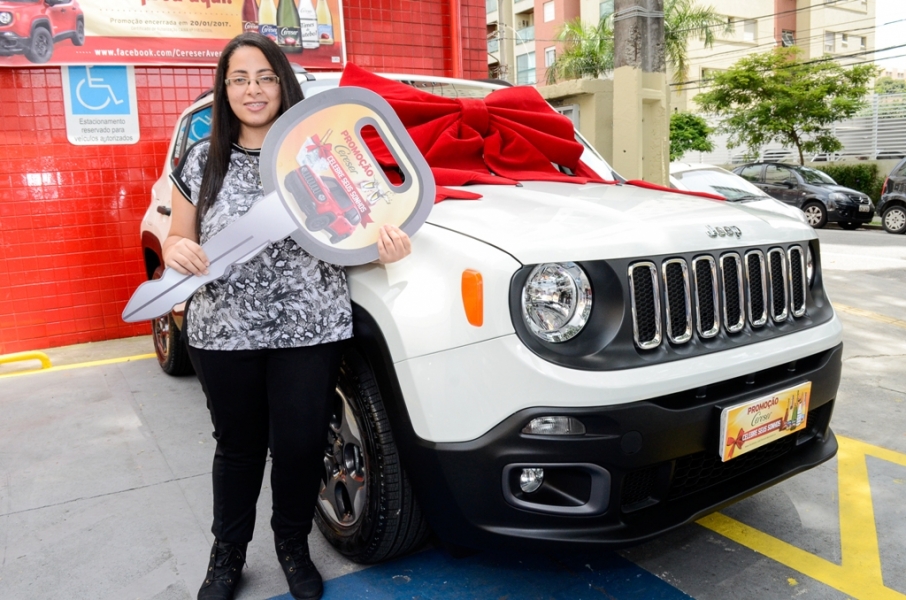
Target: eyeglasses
[{"x": 264, "y": 81}]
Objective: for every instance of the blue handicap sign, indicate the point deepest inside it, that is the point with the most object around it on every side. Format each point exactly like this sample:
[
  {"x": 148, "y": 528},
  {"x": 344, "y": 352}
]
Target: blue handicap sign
[{"x": 99, "y": 90}]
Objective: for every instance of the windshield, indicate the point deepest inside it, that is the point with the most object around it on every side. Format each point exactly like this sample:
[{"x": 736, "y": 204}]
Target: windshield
[
  {"x": 815, "y": 176},
  {"x": 717, "y": 181}
]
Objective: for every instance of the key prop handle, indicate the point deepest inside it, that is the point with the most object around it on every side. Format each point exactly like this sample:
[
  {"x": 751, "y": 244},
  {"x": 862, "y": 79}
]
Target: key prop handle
[{"x": 317, "y": 159}]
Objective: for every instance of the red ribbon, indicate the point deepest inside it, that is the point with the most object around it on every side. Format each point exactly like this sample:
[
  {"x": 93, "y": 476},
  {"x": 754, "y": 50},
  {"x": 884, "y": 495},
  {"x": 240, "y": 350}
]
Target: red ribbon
[
  {"x": 324, "y": 150},
  {"x": 735, "y": 443},
  {"x": 511, "y": 135}
]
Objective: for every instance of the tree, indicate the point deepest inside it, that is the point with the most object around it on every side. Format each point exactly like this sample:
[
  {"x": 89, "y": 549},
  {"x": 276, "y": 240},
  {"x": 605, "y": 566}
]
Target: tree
[
  {"x": 775, "y": 96},
  {"x": 889, "y": 85},
  {"x": 688, "y": 132},
  {"x": 588, "y": 50}
]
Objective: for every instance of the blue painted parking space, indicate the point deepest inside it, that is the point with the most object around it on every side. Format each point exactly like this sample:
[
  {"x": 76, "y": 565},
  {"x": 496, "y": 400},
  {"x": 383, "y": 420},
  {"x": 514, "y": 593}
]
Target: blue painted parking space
[{"x": 433, "y": 574}]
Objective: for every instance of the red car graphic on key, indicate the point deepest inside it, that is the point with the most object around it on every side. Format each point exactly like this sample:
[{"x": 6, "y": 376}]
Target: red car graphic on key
[
  {"x": 324, "y": 202},
  {"x": 32, "y": 27}
]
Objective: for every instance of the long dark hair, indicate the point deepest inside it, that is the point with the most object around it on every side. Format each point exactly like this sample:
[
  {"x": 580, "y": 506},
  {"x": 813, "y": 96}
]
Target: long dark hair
[{"x": 225, "y": 125}]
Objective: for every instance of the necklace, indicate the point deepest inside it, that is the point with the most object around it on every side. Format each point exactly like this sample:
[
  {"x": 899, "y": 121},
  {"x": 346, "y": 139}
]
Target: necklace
[{"x": 257, "y": 170}]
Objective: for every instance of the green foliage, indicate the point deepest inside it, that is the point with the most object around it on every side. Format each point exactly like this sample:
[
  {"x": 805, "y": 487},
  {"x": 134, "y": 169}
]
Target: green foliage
[
  {"x": 688, "y": 132},
  {"x": 775, "y": 96},
  {"x": 588, "y": 50},
  {"x": 862, "y": 177},
  {"x": 889, "y": 85}
]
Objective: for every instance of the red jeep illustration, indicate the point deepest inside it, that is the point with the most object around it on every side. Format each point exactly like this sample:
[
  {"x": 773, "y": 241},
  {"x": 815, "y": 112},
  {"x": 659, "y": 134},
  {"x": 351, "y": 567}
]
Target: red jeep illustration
[
  {"x": 324, "y": 202},
  {"x": 31, "y": 27}
]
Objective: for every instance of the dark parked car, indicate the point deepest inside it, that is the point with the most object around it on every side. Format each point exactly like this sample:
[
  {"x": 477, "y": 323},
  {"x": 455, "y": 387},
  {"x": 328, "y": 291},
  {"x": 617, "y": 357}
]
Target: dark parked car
[
  {"x": 813, "y": 191},
  {"x": 892, "y": 206}
]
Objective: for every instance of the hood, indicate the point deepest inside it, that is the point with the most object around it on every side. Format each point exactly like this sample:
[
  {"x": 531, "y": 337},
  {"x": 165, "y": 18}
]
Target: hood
[{"x": 553, "y": 222}]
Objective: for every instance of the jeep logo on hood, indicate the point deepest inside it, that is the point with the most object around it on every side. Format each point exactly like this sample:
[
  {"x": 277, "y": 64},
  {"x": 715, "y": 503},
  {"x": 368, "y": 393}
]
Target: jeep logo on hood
[{"x": 727, "y": 231}]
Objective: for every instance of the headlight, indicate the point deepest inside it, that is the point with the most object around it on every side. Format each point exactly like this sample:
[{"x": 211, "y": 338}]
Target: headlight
[
  {"x": 6, "y": 18},
  {"x": 556, "y": 301},
  {"x": 837, "y": 197},
  {"x": 809, "y": 266}
]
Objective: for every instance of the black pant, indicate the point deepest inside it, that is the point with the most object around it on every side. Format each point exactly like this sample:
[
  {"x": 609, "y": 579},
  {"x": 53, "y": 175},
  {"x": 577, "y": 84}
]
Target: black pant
[{"x": 259, "y": 399}]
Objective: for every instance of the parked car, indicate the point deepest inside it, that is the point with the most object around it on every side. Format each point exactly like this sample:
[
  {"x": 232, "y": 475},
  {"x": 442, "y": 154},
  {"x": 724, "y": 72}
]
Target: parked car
[
  {"x": 711, "y": 179},
  {"x": 813, "y": 191},
  {"x": 582, "y": 404},
  {"x": 892, "y": 206},
  {"x": 32, "y": 27}
]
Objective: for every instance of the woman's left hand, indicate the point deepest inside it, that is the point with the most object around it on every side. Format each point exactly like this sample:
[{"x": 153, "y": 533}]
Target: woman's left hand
[{"x": 393, "y": 244}]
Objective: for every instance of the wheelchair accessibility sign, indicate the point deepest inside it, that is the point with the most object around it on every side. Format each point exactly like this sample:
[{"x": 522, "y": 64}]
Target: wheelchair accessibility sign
[{"x": 101, "y": 107}]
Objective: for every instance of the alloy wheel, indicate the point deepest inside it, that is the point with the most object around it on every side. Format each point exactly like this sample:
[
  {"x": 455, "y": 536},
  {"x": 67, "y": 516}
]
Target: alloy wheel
[
  {"x": 344, "y": 493},
  {"x": 813, "y": 215},
  {"x": 895, "y": 219}
]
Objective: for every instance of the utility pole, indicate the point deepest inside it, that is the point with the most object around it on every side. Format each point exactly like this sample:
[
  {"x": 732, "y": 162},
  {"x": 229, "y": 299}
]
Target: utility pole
[{"x": 641, "y": 148}]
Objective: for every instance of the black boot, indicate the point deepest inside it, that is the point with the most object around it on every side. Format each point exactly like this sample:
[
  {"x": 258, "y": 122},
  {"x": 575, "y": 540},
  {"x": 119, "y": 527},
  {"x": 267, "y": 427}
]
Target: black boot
[
  {"x": 304, "y": 580},
  {"x": 224, "y": 571}
]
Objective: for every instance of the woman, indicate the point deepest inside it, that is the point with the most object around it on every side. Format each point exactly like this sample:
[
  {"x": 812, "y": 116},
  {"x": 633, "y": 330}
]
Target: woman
[{"x": 265, "y": 338}]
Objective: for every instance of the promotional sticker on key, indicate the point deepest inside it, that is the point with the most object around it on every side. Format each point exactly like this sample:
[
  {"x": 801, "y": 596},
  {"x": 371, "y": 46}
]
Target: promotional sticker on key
[{"x": 322, "y": 187}]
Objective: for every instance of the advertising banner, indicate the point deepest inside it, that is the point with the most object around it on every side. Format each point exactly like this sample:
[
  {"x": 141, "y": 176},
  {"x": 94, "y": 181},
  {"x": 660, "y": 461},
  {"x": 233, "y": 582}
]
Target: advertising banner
[{"x": 165, "y": 32}]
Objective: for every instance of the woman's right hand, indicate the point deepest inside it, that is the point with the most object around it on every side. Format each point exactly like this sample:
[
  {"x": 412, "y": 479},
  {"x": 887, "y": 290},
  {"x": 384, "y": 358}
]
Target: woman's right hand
[{"x": 186, "y": 256}]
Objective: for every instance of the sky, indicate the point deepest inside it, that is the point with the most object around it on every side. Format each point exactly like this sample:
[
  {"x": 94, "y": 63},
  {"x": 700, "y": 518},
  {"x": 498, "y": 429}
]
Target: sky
[{"x": 893, "y": 34}]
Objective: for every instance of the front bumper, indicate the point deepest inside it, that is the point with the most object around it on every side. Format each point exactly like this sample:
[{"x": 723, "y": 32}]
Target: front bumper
[
  {"x": 642, "y": 468},
  {"x": 849, "y": 213},
  {"x": 11, "y": 43}
]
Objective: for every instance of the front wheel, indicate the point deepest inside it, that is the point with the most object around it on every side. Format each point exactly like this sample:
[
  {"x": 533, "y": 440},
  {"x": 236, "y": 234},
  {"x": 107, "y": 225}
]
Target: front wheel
[
  {"x": 894, "y": 219},
  {"x": 172, "y": 353},
  {"x": 40, "y": 47},
  {"x": 815, "y": 214},
  {"x": 78, "y": 38},
  {"x": 366, "y": 508}
]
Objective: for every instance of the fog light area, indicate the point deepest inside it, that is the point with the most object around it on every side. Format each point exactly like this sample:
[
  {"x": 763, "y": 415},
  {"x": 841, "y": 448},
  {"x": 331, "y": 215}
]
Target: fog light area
[
  {"x": 531, "y": 479},
  {"x": 554, "y": 426}
]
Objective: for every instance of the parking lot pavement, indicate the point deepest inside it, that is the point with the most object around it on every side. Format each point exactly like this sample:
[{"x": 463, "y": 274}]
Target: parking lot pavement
[{"x": 105, "y": 488}]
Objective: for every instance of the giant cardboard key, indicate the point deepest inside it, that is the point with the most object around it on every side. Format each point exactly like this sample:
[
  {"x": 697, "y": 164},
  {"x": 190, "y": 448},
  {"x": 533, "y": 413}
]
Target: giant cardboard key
[{"x": 322, "y": 187}]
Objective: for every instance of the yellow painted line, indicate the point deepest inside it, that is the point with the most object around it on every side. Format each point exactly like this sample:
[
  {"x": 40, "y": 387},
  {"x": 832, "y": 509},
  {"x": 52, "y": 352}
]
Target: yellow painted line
[
  {"x": 860, "y": 312},
  {"x": 95, "y": 363},
  {"x": 859, "y": 572}
]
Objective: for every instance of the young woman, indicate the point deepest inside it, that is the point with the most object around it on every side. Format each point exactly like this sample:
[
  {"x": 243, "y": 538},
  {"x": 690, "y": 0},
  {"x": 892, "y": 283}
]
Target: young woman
[{"x": 265, "y": 338}]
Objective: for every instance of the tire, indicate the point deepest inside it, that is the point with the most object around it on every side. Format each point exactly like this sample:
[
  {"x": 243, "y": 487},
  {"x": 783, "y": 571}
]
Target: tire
[
  {"x": 318, "y": 222},
  {"x": 40, "y": 48},
  {"x": 78, "y": 38},
  {"x": 353, "y": 216},
  {"x": 849, "y": 226},
  {"x": 366, "y": 508},
  {"x": 815, "y": 214},
  {"x": 172, "y": 354},
  {"x": 894, "y": 219}
]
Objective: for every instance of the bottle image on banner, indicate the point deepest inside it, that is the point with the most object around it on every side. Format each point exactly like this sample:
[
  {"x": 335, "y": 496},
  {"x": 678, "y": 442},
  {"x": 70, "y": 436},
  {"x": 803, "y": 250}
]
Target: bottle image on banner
[
  {"x": 308, "y": 22},
  {"x": 288, "y": 33},
  {"x": 267, "y": 19},
  {"x": 250, "y": 16},
  {"x": 325, "y": 24}
]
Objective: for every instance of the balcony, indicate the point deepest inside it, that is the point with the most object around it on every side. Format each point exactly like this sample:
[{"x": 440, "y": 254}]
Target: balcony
[{"x": 525, "y": 35}]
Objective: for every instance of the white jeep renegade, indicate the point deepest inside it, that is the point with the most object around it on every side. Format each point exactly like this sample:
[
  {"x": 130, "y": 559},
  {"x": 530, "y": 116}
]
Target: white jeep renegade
[{"x": 550, "y": 365}]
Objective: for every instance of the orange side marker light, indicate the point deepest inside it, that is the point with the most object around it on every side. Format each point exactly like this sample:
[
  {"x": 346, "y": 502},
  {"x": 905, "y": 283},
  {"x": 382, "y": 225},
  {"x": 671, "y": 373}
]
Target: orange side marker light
[{"x": 473, "y": 296}]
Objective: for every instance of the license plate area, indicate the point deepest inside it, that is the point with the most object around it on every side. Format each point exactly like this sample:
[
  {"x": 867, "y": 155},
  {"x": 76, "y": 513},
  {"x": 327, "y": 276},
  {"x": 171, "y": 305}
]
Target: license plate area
[
  {"x": 863, "y": 208},
  {"x": 755, "y": 423}
]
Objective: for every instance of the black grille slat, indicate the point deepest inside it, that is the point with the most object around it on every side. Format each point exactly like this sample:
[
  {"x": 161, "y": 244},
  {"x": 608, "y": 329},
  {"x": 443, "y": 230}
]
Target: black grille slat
[
  {"x": 645, "y": 305},
  {"x": 706, "y": 296},
  {"x": 756, "y": 289},
  {"x": 797, "y": 281},
  {"x": 638, "y": 486},
  {"x": 678, "y": 309},
  {"x": 779, "y": 300},
  {"x": 734, "y": 312}
]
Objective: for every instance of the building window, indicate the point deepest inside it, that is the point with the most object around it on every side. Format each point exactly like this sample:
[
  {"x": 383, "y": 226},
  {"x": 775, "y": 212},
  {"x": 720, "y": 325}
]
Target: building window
[
  {"x": 605, "y": 9},
  {"x": 862, "y": 43},
  {"x": 829, "y": 41},
  {"x": 788, "y": 38},
  {"x": 525, "y": 69},
  {"x": 491, "y": 5},
  {"x": 749, "y": 30},
  {"x": 844, "y": 40},
  {"x": 550, "y": 55},
  {"x": 549, "y": 11},
  {"x": 709, "y": 73}
]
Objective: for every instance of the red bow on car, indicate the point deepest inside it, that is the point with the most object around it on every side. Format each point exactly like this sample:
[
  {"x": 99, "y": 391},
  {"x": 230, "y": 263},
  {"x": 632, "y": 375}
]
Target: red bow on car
[{"x": 511, "y": 135}]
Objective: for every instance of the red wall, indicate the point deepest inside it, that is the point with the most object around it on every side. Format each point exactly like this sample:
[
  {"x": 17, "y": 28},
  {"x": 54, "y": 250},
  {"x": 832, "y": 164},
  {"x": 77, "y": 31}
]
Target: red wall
[{"x": 69, "y": 215}]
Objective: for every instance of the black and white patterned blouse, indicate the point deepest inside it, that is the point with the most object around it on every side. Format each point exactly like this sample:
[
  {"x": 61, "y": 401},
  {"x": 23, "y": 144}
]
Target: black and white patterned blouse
[{"x": 282, "y": 298}]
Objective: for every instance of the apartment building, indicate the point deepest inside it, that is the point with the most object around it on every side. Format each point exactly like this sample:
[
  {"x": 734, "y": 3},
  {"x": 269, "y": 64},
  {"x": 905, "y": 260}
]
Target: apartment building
[{"x": 522, "y": 34}]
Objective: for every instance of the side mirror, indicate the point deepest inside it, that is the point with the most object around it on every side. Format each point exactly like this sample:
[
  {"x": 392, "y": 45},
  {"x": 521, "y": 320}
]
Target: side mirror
[{"x": 789, "y": 184}]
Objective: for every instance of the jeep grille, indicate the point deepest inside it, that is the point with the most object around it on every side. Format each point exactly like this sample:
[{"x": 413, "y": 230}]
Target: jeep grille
[{"x": 727, "y": 290}]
